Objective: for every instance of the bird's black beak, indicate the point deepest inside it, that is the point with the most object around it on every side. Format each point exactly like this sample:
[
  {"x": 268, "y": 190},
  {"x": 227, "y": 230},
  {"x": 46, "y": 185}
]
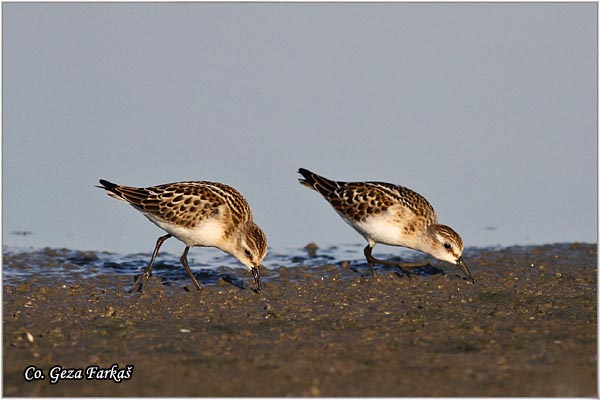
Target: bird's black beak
[
  {"x": 464, "y": 268},
  {"x": 256, "y": 275}
]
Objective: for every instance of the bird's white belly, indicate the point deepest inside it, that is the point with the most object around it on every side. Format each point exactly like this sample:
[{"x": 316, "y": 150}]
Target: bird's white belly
[
  {"x": 208, "y": 233},
  {"x": 385, "y": 230}
]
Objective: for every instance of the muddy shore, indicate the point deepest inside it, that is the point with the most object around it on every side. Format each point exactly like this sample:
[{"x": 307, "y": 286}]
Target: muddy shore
[{"x": 527, "y": 327}]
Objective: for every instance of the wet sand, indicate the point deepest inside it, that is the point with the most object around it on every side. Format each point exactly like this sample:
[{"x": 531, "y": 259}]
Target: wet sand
[{"x": 527, "y": 327}]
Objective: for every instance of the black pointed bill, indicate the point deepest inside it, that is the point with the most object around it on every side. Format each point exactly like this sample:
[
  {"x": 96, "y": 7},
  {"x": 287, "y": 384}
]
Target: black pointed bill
[
  {"x": 464, "y": 268},
  {"x": 256, "y": 275}
]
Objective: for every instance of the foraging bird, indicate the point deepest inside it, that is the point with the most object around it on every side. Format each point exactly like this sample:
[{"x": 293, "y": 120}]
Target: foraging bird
[
  {"x": 390, "y": 214},
  {"x": 207, "y": 214}
]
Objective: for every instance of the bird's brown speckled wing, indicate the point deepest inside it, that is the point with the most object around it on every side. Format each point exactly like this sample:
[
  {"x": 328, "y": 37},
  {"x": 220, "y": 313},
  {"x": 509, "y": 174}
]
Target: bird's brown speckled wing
[
  {"x": 358, "y": 200},
  {"x": 185, "y": 203}
]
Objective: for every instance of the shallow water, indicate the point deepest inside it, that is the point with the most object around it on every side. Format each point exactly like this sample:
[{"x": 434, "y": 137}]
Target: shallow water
[
  {"x": 21, "y": 264},
  {"x": 210, "y": 265}
]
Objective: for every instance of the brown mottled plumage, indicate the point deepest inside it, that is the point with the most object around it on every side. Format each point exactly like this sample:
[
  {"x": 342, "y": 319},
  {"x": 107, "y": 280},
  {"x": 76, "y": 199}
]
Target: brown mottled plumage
[
  {"x": 186, "y": 203},
  {"x": 200, "y": 213},
  {"x": 389, "y": 214}
]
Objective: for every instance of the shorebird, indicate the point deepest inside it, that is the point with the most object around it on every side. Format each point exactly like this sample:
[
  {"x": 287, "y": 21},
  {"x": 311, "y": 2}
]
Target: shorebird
[
  {"x": 390, "y": 214},
  {"x": 206, "y": 214}
]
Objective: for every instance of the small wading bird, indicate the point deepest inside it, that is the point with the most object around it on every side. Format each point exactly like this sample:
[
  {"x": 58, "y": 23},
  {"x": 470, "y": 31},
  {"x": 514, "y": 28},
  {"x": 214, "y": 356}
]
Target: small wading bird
[
  {"x": 390, "y": 214},
  {"x": 207, "y": 214}
]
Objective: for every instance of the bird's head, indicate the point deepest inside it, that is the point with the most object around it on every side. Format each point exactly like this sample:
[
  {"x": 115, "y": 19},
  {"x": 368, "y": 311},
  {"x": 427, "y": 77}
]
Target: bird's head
[
  {"x": 447, "y": 245},
  {"x": 251, "y": 249}
]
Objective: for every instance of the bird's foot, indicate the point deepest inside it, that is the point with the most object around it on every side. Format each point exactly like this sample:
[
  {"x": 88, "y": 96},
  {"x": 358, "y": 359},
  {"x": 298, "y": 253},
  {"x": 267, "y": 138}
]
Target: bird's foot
[{"x": 140, "y": 283}]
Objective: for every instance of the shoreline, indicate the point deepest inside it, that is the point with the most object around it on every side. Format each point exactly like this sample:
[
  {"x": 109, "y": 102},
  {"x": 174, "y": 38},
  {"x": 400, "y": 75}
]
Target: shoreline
[{"x": 526, "y": 328}]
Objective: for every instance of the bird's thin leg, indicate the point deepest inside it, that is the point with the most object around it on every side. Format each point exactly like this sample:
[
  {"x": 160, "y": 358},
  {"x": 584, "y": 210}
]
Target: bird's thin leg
[
  {"x": 140, "y": 282},
  {"x": 370, "y": 260},
  {"x": 187, "y": 267},
  {"x": 403, "y": 266}
]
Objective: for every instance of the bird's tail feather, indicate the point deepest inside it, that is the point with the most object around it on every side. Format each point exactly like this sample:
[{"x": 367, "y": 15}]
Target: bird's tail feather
[
  {"x": 112, "y": 189},
  {"x": 132, "y": 195},
  {"x": 317, "y": 182}
]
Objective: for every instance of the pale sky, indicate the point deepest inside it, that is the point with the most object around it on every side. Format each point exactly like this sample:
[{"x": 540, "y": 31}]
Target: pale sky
[{"x": 489, "y": 110}]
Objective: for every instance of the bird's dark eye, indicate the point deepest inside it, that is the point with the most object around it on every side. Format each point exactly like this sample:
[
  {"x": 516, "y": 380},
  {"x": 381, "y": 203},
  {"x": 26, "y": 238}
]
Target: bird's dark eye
[
  {"x": 447, "y": 246},
  {"x": 248, "y": 254}
]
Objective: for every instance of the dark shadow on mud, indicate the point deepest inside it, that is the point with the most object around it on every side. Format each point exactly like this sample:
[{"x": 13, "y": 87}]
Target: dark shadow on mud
[
  {"x": 175, "y": 275},
  {"x": 363, "y": 270}
]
